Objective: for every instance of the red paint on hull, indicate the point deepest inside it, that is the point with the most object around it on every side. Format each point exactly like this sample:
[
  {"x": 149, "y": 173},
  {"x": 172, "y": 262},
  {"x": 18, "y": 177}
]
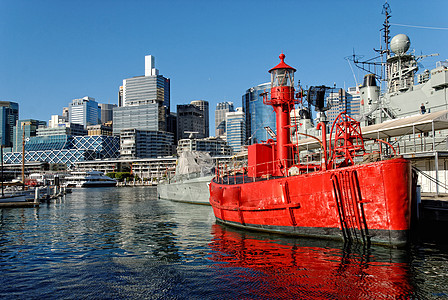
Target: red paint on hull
[{"x": 307, "y": 205}]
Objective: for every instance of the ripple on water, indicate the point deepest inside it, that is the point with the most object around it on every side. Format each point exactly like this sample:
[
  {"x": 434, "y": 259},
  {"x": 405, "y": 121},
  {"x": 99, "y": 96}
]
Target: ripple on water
[{"x": 125, "y": 243}]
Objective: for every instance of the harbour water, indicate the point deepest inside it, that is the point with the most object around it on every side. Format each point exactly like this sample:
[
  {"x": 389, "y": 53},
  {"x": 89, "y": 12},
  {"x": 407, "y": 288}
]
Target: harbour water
[{"x": 124, "y": 243}]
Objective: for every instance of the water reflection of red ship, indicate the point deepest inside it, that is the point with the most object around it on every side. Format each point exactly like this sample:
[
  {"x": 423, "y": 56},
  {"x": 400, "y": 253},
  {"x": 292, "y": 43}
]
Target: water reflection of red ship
[
  {"x": 304, "y": 269},
  {"x": 344, "y": 197}
]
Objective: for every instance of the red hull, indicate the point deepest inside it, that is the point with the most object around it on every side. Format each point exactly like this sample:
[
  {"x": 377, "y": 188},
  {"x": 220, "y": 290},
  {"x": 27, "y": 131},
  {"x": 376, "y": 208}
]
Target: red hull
[{"x": 370, "y": 202}]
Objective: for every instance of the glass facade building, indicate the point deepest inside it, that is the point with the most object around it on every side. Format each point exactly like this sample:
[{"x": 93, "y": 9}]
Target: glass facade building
[
  {"x": 144, "y": 101},
  {"x": 145, "y": 144},
  {"x": 25, "y": 129},
  {"x": 257, "y": 114},
  {"x": 141, "y": 117},
  {"x": 190, "y": 118},
  {"x": 66, "y": 149},
  {"x": 106, "y": 112},
  {"x": 9, "y": 114},
  {"x": 220, "y": 116},
  {"x": 348, "y": 101},
  {"x": 143, "y": 90},
  {"x": 236, "y": 130},
  {"x": 84, "y": 111},
  {"x": 203, "y": 105}
]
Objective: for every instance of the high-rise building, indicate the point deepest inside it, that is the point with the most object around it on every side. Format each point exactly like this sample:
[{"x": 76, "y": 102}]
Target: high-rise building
[
  {"x": 140, "y": 117},
  {"x": 348, "y": 101},
  {"x": 106, "y": 112},
  {"x": 9, "y": 114},
  {"x": 139, "y": 96},
  {"x": 65, "y": 113},
  {"x": 23, "y": 130},
  {"x": 171, "y": 125},
  {"x": 84, "y": 111},
  {"x": 190, "y": 119},
  {"x": 354, "y": 101},
  {"x": 120, "y": 97},
  {"x": 56, "y": 120},
  {"x": 257, "y": 114},
  {"x": 236, "y": 129},
  {"x": 148, "y": 89},
  {"x": 220, "y": 117},
  {"x": 203, "y": 105},
  {"x": 145, "y": 143}
]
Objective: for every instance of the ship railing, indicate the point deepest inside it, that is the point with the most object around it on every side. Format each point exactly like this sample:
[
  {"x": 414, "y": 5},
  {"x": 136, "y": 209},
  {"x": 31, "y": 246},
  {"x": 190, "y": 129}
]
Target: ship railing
[
  {"x": 241, "y": 173},
  {"x": 194, "y": 175}
]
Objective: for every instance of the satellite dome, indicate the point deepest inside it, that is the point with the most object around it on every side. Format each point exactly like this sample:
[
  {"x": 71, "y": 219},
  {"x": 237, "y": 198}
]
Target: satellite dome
[{"x": 400, "y": 44}]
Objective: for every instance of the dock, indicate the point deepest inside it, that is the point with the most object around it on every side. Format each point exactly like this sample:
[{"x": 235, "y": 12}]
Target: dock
[
  {"x": 434, "y": 207},
  {"x": 32, "y": 198}
]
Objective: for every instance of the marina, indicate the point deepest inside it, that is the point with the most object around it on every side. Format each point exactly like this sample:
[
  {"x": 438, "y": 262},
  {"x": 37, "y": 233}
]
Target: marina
[
  {"x": 313, "y": 185},
  {"x": 125, "y": 243}
]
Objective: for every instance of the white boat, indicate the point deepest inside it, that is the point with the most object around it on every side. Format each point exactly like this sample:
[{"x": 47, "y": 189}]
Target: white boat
[
  {"x": 15, "y": 194},
  {"x": 89, "y": 179},
  {"x": 194, "y": 172}
]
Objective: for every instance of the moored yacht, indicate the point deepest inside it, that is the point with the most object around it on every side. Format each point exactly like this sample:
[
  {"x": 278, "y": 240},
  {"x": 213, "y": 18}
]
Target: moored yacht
[{"x": 89, "y": 179}]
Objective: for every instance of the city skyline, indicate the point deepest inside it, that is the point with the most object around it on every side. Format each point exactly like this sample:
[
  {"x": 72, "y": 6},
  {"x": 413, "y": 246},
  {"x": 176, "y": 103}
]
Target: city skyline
[{"x": 209, "y": 51}]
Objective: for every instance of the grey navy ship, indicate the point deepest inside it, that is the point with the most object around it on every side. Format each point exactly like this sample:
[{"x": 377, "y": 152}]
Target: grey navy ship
[{"x": 410, "y": 113}]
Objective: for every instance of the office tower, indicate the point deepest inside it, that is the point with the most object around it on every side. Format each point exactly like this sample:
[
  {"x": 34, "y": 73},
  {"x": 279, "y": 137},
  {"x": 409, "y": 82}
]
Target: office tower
[
  {"x": 220, "y": 117},
  {"x": 145, "y": 143},
  {"x": 56, "y": 120},
  {"x": 190, "y": 119},
  {"x": 23, "y": 130},
  {"x": 348, "y": 101},
  {"x": 9, "y": 114},
  {"x": 203, "y": 105},
  {"x": 171, "y": 125},
  {"x": 236, "y": 129},
  {"x": 150, "y": 88},
  {"x": 84, "y": 111},
  {"x": 139, "y": 97},
  {"x": 65, "y": 113},
  {"x": 257, "y": 114},
  {"x": 106, "y": 112},
  {"x": 120, "y": 96},
  {"x": 141, "y": 117},
  {"x": 354, "y": 102},
  {"x": 143, "y": 114}
]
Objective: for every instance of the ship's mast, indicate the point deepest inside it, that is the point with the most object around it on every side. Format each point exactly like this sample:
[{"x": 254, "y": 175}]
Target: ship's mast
[{"x": 384, "y": 52}]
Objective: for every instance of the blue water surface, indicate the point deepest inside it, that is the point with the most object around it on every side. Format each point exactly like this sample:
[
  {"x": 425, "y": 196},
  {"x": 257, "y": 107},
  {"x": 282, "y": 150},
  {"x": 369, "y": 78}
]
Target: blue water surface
[{"x": 124, "y": 243}]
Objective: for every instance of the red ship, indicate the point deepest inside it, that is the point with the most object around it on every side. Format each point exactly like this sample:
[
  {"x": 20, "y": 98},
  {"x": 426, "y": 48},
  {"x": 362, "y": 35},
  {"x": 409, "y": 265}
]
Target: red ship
[{"x": 339, "y": 198}]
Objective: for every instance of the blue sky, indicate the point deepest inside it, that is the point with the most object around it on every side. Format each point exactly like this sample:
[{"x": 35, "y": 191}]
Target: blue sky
[{"x": 54, "y": 51}]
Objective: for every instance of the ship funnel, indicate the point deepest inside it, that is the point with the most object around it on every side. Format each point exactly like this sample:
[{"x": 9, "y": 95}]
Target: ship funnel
[
  {"x": 369, "y": 80},
  {"x": 370, "y": 97}
]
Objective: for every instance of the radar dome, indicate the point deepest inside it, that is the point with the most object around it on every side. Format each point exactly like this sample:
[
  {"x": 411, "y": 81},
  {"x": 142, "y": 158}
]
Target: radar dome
[{"x": 400, "y": 44}]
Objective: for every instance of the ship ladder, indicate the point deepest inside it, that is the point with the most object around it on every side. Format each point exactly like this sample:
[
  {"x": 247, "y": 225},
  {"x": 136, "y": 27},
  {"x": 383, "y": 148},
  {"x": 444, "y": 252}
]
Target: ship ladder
[{"x": 349, "y": 204}]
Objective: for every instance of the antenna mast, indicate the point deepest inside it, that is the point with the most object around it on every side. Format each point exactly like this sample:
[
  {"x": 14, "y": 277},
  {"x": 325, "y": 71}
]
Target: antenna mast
[
  {"x": 371, "y": 65},
  {"x": 386, "y": 28}
]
